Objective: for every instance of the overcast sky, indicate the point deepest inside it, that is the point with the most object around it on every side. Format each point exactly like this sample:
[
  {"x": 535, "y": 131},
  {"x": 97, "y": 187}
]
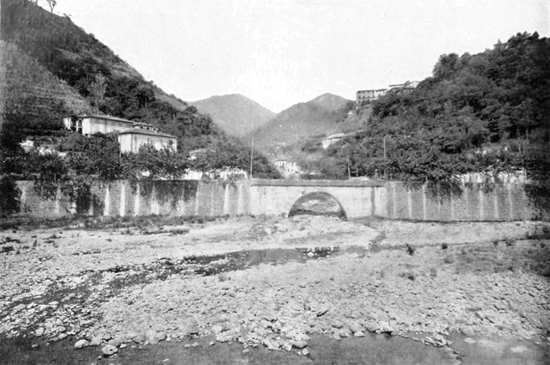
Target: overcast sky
[{"x": 281, "y": 52}]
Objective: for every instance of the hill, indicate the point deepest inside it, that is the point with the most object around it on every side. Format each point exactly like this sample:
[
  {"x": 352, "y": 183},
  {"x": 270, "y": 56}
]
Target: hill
[
  {"x": 487, "y": 112},
  {"x": 29, "y": 87},
  {"x": 235, "y": 114},
  {"x": 73, "y": 72},
  {"x": 301, "y": 121}
]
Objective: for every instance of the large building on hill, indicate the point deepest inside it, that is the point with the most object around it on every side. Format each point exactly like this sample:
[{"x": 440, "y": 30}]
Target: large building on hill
[
  {"x": 91, "y": 124},
  {"x": 369, "y": 95},
  {"x": 131, "y": 135},
  {"x": 366, "y": 96}
]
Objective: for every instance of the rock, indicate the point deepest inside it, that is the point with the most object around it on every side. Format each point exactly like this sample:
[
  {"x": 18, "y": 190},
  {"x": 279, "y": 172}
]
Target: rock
[
  {"x": 300, "y": 344},
  {"x": 153, "y": 337},
  {"x": 217, "y": 329},
  {"x": 191, "y": 327},
  {"x": 322, "y": 311},
  {"x": 436, "y": 340},
  {"x": 81, "y": 344},
  {"x": 519, "y": 349},
  {"x": 34, "y": 346},
  {"x": 109, "y": 350},
  {"x": 287, "y": 346},
  {"x": 270, "y": 344},
  {"x": 305, "y": 352},
  {"x": 354, "y": 327},
  {"x": 95, "y": 341},
  {"x": 359, "y": 334},
  {"x": 469, "y": 340},
  {"x": 137, "y": 337}
]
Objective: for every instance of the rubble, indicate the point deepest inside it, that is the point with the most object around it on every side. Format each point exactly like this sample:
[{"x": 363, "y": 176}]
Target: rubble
[{"x": 144, "y": 290}]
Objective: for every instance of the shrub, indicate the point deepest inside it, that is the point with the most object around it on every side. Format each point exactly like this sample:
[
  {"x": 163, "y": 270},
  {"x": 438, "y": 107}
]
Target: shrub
[{"x": 9, "y": 196}]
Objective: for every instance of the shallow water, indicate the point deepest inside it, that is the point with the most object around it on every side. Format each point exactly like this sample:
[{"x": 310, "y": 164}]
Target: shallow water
[{"x": 371, "y": 349}]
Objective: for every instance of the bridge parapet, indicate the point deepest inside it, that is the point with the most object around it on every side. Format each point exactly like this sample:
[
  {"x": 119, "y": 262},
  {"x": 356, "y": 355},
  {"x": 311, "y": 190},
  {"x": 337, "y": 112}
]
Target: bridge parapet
[{"x": 317, "y": 183}]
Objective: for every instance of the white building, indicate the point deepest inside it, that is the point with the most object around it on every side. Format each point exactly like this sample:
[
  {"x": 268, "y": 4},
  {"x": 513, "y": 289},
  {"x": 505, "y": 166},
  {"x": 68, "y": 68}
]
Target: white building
[
  {"x": 333, "y": 138},
  {"x": 287, "y": 168},
  {"x": 131, "y": 135},
  {"x": 131, "y": 140},
  {"x": 91, "y": 124}
]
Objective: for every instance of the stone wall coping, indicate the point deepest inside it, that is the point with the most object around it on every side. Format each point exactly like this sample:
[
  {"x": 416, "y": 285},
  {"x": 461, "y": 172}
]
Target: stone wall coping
[{"x": 317, "y": 183}]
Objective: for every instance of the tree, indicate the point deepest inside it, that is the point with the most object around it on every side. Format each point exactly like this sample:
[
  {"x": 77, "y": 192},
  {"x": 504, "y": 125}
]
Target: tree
[
  {"x": 51, "y": 4},
  {"x": 96, "y": 90},
  {"x": 97, "y": 155}
]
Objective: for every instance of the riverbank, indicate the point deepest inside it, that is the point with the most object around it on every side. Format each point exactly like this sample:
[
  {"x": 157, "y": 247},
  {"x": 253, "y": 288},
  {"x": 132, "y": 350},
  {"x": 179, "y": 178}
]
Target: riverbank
[{"x": 277, "y": 283}]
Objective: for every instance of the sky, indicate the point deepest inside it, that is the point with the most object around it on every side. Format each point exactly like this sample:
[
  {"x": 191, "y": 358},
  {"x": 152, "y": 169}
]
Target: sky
[{"x": 281, "y": 52}]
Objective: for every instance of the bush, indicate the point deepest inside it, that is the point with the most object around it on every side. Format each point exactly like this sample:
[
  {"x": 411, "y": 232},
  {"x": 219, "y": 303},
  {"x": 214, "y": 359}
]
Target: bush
[{"x": 9, "y": 196}]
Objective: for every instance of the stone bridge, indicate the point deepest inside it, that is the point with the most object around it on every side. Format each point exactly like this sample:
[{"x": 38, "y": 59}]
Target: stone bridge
[
  {"x": 505, "y": 202},
  {"x": 278, "y": 197}
]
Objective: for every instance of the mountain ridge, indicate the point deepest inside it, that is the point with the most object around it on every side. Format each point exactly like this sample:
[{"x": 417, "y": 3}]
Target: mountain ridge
[
  {"x": 235, "y": 113},
  {"x": 317, "y": 116}
]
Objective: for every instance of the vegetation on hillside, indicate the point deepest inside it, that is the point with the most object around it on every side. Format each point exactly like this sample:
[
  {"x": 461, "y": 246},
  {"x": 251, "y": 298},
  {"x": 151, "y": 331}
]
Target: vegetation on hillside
[
  {"x": 303, "y": 120},
  {"x": 487, "y": 112},
  {"x": 110, "y": 86}
]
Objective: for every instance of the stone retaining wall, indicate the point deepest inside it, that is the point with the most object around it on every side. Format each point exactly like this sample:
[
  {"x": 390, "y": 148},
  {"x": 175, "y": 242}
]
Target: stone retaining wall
[{"x": 506, "y": 202}]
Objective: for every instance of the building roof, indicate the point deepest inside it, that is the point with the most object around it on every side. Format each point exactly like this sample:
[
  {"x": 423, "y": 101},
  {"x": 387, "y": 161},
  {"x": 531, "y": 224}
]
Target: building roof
[
  {"x": 115, "y": 119},
  {"x": 147, "y": 133},
  {"x": 108, "y": 117}
]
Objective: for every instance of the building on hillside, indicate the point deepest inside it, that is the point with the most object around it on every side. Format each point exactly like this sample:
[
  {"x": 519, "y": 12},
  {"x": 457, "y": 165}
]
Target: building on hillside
[
  {"x": 132, "y": 139},
  {"x": 367, "y": 96},
  {"x": 287, "y": 168},
  {"x": 405, "y": 87},
  {"x": 333, "y": 138},
  {"x": 226, "y": 173},
  {"x": 90, "y": 124},
  {"x": 200, "y": 153},
  {"x": 131, "y": 135}
]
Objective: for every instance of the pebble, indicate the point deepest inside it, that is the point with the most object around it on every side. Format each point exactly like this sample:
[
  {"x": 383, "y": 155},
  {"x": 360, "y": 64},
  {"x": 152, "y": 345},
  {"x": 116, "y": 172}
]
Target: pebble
[
  {"x": 299, "y": 344},
  {"x": 81, "y": 344},
  {"x": 95, "y": 341},
  {"x": 519, "y": 349},
  {"x": 109, "y": 350}
]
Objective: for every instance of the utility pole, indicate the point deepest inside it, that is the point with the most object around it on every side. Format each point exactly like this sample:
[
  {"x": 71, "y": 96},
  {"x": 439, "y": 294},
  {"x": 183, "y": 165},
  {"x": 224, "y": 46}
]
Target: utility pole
[
  {"x": 251, "y": 156},
  {"x": 385, "y": 159}
]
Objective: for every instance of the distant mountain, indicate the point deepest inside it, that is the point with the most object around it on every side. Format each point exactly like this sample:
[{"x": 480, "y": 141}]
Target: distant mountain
[
  {"x": 236, "y": 114},
  {"x": 301, "y": 121}
]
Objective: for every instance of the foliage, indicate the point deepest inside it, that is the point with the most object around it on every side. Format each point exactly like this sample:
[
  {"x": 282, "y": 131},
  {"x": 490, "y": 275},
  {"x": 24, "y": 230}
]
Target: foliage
[
  {"x": 9, "y": 196},
  {"x": 153, "y": 164},
  {"x": 97, "y": 155},
  {"x": 475, "y": 114},
  {"x": 25, "y": 119},
  {"x": 229, "y": 153},
  {"x": 106, "y": 81}
]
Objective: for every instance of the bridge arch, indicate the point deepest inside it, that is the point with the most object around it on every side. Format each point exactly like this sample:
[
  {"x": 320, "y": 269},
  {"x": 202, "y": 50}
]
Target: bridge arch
[{"x": 318, "y": 203}]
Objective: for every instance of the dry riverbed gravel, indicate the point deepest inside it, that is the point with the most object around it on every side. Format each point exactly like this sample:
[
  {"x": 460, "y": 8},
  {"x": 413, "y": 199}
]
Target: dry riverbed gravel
[{"x": 276, "y": 282}]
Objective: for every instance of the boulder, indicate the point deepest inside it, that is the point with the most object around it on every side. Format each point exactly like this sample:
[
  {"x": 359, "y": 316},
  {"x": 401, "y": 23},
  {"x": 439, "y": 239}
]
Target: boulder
[
  {"x": 109, "y": 350},
  {"x": 81, "y": 344}
]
